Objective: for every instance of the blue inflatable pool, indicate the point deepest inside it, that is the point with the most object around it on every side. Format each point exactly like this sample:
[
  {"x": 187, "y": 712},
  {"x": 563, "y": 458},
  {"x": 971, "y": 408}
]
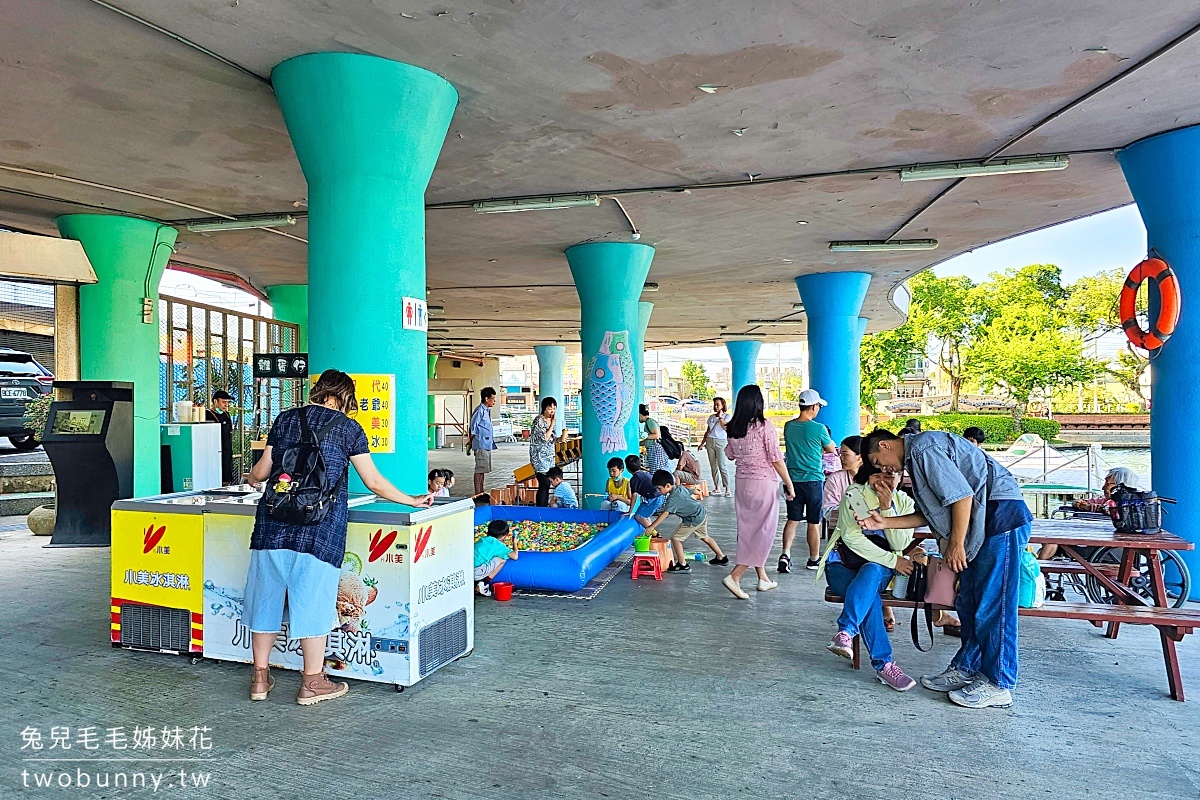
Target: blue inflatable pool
[{"x": 567, "y": 571}]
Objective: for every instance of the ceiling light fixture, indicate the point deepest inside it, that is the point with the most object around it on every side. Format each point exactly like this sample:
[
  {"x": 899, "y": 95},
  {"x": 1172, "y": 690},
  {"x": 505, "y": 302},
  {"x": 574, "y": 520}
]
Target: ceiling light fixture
[
  {"x": 797, "y": 306},
  {"x": 776, "y": 322},
  {"x": 650, "y": 287},
  {"x": 537, "y": 203},
  {"x": 436, "y": 309},
  {"x": 282, "y": 221},
  {"x": 881, "y": 246},
  {"x": 972, "y": 169}
]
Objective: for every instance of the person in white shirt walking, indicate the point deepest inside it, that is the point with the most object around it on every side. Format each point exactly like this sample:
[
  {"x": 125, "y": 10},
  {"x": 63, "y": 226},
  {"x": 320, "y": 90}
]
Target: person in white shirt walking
[{"x": 483, "y": 441}]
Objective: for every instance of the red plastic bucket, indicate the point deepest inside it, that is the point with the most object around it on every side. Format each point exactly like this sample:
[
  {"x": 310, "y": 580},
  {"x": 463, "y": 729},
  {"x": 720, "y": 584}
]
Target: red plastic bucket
[{"x": 502, "y": 591}]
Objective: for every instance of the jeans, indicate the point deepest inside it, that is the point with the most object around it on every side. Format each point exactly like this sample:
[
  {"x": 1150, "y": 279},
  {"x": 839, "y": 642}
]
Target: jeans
[
  {"x": 543, "y": 490},
  {"x": 988, "y": 590},
  {"x": 862, "y": 611},
  {"x": 615, "y": 505}
]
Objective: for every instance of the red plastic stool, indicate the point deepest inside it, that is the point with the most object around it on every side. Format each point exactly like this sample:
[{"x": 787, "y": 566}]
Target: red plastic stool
[{"x": 647, "y": 564}]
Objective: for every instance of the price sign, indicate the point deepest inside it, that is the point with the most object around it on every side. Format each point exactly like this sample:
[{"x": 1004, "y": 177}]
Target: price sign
[{"x": 377, "y": 410}]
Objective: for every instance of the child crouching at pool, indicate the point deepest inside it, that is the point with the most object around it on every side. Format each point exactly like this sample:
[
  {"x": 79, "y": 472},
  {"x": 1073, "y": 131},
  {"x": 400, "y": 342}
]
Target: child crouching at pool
[
  {"x": 641, "y": 486},
  {"x": 561, "y": 493},
  {"x": 490, "y": 555},
  {"x": 693, "y": 519}
]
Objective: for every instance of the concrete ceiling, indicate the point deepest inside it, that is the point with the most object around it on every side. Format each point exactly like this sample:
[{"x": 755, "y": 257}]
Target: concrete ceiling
[{"x": 557, "y": 97}]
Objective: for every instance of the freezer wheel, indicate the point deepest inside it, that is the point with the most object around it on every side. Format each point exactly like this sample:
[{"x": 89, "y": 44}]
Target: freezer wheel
[{"x": 399, "y": 688}]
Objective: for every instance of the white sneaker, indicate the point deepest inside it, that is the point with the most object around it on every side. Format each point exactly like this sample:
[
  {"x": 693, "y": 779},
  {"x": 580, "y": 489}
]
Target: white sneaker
[
  {"x": 982, "y": 693},
  {"x": 483, "y": 588},
  {"x": 766, "y": 586},
  {"x": 732, "y": 585},
  {"x": 728, "y": 493},
  {"x": 949, "y": 681}
]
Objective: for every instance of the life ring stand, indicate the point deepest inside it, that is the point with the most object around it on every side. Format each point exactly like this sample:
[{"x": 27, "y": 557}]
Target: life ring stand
[{"x": 1163, "y": 324}]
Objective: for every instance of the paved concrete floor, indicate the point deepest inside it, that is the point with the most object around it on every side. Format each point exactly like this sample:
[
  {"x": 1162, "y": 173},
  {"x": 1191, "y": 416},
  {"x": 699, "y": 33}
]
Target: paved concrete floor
[{"x": 653, "y": 690}]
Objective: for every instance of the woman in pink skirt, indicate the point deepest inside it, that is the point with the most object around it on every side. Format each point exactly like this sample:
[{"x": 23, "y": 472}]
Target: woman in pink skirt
[{"x": 754, "y": 448}]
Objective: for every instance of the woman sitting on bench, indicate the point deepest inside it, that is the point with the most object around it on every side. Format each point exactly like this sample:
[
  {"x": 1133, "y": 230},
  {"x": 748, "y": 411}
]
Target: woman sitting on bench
[{"x": 858, "y": 565}]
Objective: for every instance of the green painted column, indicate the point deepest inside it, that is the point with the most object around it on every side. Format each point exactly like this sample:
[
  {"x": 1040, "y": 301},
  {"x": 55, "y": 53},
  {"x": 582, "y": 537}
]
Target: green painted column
[
  {"x": 639, "y": 349},
  {"x": 367, "y": 132},
  {"x": 431, "y": 407},
  {"x": 115, "y": 342},
  {"x": 609, "y": 277},
  {"x": 289, "y": 302}
]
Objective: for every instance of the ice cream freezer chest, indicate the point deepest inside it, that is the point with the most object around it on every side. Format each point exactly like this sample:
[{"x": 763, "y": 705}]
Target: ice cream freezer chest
[{"x": 405, "y": 604}]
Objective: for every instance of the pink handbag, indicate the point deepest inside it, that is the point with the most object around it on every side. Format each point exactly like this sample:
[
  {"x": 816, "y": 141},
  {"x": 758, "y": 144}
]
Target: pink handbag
[{"x": 941, "y": 588}]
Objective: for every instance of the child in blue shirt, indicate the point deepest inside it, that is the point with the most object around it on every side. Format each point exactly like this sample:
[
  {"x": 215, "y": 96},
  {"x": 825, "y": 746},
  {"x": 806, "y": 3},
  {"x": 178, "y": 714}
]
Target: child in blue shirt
[
  {"x": 491, "y": 553},
  {"x": 563, "y": 496}
]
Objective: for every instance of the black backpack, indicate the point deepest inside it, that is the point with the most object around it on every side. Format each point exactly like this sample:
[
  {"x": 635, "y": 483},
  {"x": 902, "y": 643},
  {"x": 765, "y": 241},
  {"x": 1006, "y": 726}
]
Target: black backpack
[
  {"x": 299, "y": 491},
  {"x": 672, "y": 448},
  {"x": 1135, "y": 512}
]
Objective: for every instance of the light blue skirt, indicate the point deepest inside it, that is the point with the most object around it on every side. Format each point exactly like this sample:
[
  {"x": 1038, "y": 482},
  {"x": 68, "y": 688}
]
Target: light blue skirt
[{"x": 298, "y": 584}]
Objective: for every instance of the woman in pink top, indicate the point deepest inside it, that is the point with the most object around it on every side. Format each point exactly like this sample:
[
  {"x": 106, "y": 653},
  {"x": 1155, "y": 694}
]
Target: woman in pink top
[
  {"x": 836, "y": 483},
  {"x": 754, "y": 448}
]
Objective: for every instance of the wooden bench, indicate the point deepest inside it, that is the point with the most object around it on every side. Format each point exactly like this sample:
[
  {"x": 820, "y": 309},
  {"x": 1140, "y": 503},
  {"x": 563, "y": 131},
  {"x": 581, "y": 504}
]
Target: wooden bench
[{"x": 1172, "y": 623}]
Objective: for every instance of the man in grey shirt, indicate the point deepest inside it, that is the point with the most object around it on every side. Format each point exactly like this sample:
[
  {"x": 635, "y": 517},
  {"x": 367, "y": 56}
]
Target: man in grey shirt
[
  {"x": 483, "y": 441},
  {"x": 975, "y": 507}
]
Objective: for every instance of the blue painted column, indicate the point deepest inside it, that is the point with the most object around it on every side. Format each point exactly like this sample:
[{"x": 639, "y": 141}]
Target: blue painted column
[
  {"x": 1163, "y": 173},
  {"x": 609, "y": 277},
  {"x": 832, "y": 302},
  {"x": 639, "y": 349},
  {"x": 367, "y": 132},
  {"x": 551, "y": 358},
  {"x": 743, "y": 354}
]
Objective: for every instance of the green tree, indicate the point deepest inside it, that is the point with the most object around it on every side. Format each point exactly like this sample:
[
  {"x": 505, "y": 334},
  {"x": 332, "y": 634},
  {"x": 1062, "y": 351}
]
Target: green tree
[
  {"x": 883, "y": 358},
  {"x": 695, "y": 376},
  {"x": 1026, "y": 346},
  {"x": 1091, "y": 307},
  {"x": 943, "y": 310}
]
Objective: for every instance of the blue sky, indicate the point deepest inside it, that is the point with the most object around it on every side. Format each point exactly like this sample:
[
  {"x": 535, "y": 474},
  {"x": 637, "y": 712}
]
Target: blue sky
[{"x": 1085, "y": 246}]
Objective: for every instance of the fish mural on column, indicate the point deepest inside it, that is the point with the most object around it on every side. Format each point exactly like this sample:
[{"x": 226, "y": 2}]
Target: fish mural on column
[{"x": 612, "y": 389}]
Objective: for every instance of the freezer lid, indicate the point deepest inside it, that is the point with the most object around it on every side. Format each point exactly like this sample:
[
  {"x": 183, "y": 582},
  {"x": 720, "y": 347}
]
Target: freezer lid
[{"x": 381, "y": 511}]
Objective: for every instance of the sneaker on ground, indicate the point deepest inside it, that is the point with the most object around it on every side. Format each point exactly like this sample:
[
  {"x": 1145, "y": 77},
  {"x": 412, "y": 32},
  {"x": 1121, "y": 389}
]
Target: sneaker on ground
[
  {"x": 842, "y": 645},
  {"x": 728, "y": 493},
  {"x": 483, "y": 588},
  {"x": 982, "y": 693},
  {"x": 766, "y": 586},
  {"x": 318, "y": 688},
  {"x": 729, "y": 583},
  {"x": 684, "y": 567},
  {"x": 891, "y": 675},
  {"x": 948, "y": 681},
  {"x": 785, "y": 563},
  {"x": 720, "y": 562},
  {"x": 813, "y": 563}
]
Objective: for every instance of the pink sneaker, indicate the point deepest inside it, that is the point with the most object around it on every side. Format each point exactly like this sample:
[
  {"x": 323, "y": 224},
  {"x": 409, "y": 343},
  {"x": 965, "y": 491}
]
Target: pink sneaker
[
  {"x": 842, "y": 645},
  {"x": 894, "y": 677}
]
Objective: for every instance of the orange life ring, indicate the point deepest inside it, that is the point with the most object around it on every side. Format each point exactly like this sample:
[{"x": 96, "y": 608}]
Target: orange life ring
[{"x": 1161, "y": 326}]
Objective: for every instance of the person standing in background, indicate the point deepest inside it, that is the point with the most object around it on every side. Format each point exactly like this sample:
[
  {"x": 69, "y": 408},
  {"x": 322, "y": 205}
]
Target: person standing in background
[
  {"x": 541, "y": 448},
  {"x": 656, "y": 457},
  {"x": 714, "y": 442},
  {"x": 805, "y": 440},
  {"x": 483, "y": 441},
  {"x": 219, "y": 413}
]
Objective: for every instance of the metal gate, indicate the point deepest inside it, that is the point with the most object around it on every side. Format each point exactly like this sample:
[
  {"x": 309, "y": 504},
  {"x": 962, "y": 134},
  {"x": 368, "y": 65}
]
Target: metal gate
[{"x": 204, "y": 348}]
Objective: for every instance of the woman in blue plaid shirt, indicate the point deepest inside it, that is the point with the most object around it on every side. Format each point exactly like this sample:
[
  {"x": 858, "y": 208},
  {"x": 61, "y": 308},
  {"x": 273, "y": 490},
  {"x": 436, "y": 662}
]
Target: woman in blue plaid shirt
[{"x": 302, "y": 563}]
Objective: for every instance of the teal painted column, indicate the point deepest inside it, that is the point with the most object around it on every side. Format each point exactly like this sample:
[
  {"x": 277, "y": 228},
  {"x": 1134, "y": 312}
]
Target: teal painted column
[
  {"x": 832, "y": 302},
  {"x": 431, "y": 407},
  {"x": 367, "y": 132},
  {"x": 551, "y": 358},
  {"x": 115, "y": 342},
  {"x": 289, "y": 303},
  {"x": 743, "y": 355},
  {"x": 609, "y": 277},
  {"x": 639, "y": 350}
]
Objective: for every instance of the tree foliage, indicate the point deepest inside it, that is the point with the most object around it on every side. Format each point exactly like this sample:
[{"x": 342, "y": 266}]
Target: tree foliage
[
  {"x": 696, "y": 378},
  {"x": 883, "y": 359},
  {"x": 943, "y": 312}
]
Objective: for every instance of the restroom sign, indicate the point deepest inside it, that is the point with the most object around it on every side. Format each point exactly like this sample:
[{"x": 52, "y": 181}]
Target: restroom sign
[{"x": 416, "y": 314}]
